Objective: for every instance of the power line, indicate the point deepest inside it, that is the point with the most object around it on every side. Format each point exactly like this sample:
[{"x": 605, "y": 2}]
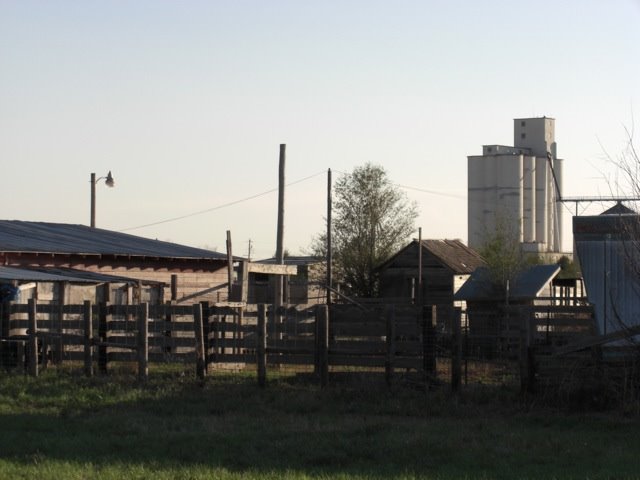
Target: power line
[{"x": 218, "y": 207}]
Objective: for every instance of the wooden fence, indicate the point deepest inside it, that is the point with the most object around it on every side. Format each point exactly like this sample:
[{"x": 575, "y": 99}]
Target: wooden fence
[{"x": 382, "y": 338}]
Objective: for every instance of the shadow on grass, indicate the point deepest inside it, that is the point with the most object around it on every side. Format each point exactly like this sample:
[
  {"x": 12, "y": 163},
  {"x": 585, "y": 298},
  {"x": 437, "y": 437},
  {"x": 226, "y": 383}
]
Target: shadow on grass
[{"x": 228, "y": 423}]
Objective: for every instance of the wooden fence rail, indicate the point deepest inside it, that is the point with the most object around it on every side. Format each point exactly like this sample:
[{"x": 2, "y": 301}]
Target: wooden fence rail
[{"x": 326, "y": 338}]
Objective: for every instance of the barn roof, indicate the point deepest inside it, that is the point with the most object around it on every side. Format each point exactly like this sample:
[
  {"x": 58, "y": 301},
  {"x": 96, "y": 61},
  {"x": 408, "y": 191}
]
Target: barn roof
[
  {"x": 526, "y": 286},
  {"x": 62, "y": 238},
  {"x": 455, "y": 255},
  {"x": 452, "y": 253},
  {"x": 71, "y": 275}
]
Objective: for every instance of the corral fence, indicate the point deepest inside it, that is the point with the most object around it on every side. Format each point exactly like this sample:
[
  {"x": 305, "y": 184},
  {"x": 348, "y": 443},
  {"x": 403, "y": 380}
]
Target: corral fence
[{"x": 432, "y": 344}]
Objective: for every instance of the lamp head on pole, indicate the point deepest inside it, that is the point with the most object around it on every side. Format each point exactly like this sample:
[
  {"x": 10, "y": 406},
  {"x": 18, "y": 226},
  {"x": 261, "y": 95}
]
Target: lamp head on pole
[{"x": 110, "y": 182}]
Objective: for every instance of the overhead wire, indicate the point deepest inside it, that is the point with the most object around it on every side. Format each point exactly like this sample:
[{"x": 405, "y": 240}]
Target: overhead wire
[{"x": 218, "y": 207}]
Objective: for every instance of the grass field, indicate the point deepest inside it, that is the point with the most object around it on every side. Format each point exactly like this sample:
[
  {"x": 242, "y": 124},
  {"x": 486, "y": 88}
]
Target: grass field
[{"x": 62, "y": 425}]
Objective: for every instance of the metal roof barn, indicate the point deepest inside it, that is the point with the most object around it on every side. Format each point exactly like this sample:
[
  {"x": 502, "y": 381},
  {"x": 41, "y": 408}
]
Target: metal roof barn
[
  {"x": 608, "y": 251},
  {"x": 43, "y": 237}
]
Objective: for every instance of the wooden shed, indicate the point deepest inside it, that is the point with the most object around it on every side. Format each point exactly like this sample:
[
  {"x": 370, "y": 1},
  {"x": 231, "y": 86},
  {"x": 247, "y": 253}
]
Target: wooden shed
[
  {"x": 300, "y": 289},
  {"x": 179, "y": 272},
  {"x": 446, "y": 265}
]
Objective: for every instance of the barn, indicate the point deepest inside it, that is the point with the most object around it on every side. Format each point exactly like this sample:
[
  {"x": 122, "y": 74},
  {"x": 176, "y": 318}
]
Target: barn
[
  {"x": 113, "y": 266},
  {"x": 446, "y": 265}
]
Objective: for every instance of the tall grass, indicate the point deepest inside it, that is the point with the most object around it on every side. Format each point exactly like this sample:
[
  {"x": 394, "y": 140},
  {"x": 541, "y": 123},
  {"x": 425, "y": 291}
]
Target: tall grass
[{"x": 62, "y": 425}]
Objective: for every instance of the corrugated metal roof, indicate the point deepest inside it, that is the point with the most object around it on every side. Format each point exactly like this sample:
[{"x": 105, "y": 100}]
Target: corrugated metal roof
[
  {"x": 43, "y": 237},
  {"x": 8, "y": 274},
  {"x": 526, "y": 286}
]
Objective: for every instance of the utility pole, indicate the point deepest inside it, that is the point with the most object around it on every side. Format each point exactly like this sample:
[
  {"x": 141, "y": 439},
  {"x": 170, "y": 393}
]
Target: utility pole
[
  {"x": 280, "y": 232},
  {"x": 249, "y": 252},
  {"x": 329, "y": 250}
]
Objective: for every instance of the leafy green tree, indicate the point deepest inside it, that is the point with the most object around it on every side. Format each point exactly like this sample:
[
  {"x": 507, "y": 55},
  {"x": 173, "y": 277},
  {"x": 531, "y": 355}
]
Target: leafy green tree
[
  {"x": 372, "y": 219},
  {"x": 503, "y": 253}
]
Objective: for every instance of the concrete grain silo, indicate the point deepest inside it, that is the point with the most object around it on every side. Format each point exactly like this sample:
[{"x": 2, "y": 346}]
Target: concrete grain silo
[{"x": 513, "y": 186}]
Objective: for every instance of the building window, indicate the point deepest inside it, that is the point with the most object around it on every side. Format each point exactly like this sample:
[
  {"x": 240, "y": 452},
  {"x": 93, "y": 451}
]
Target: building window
[
  {"x": 523, "y": 135},
  {"x": 523, "y": 123}
]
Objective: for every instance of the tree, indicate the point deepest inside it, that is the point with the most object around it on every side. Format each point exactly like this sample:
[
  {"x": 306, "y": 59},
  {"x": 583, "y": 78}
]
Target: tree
[
  {"x": 372, "y": 219},
  {"x": 503, "y": 253}
]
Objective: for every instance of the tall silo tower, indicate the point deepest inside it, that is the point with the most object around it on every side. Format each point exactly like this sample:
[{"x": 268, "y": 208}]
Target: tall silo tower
[{"x": 514, "y": 187}]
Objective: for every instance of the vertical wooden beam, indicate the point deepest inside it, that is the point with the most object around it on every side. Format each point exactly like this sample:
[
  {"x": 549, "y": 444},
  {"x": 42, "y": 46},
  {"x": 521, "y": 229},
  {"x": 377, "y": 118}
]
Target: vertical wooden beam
[
  {"x": 419, "y": 298},
  {"x": 322, "y": 319},
  {"x": 4, "y": 330},
  {"x": 391, "y": 345},
  {"x": 59, "y": 343},
  {"x": 280, "y": 229},
  {"x": 103, "y": 318},
  {"x": 199, "y": 334},
  {"x": 174, "y": 286},
  {"x": 527, "y": 368},
  {"x": 429, "y": 340},
  {"x": 33, "y": 337},
  {"x": 230, "y": 296},
  {"x": 261, "y": 346},
  {"x": 88, "y": 338},
  {"x": 329, "y": 242},
  {"x": 244, "y": 281},
  {"x": 143, "y": 341},
  {"x": 206, "y": 333},
  {"x": 456, "y": 350}
]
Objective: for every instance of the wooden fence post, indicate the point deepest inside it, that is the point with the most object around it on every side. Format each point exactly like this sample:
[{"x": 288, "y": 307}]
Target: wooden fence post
[
  {"x": 143, "y": 342},
  {"x": 58, "y": 351},
  {"x": 322, "y": 320},
  {"x": 429, "y": 314},
  {"x": 261, "y": 347},
  {"x": 456, "y": 350},
  {"x": 391, "y": 345},
  {"x": 199, "y": 334},
  {"x": 88, "y": 338},
  {"x": 527, "y": 367},
  {"x": 206, "y": 330},
  {"x": 33, "y": 338},
  {"x": 103, "y": 317}
]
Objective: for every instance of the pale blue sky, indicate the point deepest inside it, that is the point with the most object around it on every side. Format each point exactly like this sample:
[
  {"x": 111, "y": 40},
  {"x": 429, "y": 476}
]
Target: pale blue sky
[{"x": 187, "y": 102}]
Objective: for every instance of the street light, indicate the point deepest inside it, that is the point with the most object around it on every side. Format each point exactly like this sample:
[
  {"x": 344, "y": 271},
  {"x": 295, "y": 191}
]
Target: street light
[{"x": 109, "y": 182}]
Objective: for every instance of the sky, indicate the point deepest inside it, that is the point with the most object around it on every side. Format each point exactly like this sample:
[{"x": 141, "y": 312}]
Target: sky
[{"x": 186, "y": 103}]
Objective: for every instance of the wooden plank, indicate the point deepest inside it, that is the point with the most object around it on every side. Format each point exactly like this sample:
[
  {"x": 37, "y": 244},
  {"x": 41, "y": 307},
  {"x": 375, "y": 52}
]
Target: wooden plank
[
  {"x": 143, "y": 342},
  {"x": 261, "y": 350},
  {"x": 33, "y": 338},
  {"x": 201, "y": 363},
  {"x": 88, "y": 340},
  {"x": 598, "y": 340},
  {"x": 272, "y": 269},
  {"x": 322, "y": 343},
  {"x": 390, "y": 346}
]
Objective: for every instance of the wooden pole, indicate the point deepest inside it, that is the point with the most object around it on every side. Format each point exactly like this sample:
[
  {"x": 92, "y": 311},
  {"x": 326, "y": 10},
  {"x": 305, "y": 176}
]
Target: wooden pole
[
  {"x": 419, "y": 295},
  {"x": 206, "y": 332},
  {"x": 59, "y": 344},
  {"x": 143, "y": 342},
  {"x": 102, "y": 336},
  {"x": 329, "y": 243},
  {"x": 199, "y": 334},
  {"x": 456, "y": 353},
  {"x": 391, "y": 345},
  {"x": 33, "y": 338},
  {"x": 229, "y": 268},
  {"x": 322, "y": 320},
  {"x": 280, "y": 231},
  {"x": 88, "y": 338},
  {"x": 261, "y": 347},
  {"x": 429, "y": 340},
  {"x": 527, "y": 369},
  {"x": 93, "y": 201}
]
